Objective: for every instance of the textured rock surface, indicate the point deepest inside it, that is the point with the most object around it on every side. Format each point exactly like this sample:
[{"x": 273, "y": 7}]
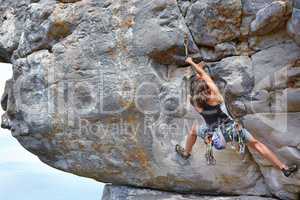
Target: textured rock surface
[
  {"x": 280, "y": 132},
  {"x": 212, "y": 21},
  {"x": 112, "y": 192},
  {"x": 294, "y": 24},
  {"x": 270, "y": 17},
  {"x": 12, "y": 18},
  {"x": 99, "y": 89}
]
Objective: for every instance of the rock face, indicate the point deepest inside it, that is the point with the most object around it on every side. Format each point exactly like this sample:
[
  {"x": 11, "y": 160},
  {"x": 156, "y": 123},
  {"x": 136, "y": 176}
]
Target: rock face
[
  {"x": 12, "y": 18},
  {"x": 112, "y": 192},
  {"x": 212, "y": 21},
  {"x": 269, "y": 17},
  {"x": 100, "y": 89},
  {"x": 294, "y": 22}
]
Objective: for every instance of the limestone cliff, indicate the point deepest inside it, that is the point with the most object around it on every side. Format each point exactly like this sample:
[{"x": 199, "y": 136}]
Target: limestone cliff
[{"x": 99, "y": 88}]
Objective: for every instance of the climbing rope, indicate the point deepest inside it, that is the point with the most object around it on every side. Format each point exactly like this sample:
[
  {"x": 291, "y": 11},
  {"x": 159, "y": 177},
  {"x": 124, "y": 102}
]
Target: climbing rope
[{"x": 186, "y": 46}]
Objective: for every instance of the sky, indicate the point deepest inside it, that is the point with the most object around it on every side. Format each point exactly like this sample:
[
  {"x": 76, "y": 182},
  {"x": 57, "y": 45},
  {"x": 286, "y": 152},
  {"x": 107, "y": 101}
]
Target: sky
[{"x": 24, "y": 177}]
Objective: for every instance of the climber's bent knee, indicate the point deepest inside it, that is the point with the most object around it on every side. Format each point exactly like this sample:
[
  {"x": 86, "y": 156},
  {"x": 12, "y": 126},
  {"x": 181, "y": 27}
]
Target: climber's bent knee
[{"x": 252, "y": 142}]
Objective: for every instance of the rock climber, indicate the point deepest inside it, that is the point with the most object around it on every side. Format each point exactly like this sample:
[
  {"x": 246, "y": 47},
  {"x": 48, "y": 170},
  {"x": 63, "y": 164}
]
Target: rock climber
[{"x": 207, "y": 99}]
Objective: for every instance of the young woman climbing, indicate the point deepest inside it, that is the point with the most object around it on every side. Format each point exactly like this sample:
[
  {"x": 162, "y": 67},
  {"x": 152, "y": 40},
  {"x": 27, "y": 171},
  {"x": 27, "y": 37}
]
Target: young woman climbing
[{"x": 206, "y": 99}]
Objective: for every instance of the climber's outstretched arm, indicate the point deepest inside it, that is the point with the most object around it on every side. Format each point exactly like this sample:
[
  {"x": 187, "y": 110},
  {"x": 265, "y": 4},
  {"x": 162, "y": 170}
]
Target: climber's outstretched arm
[{"x": 203, "y": 75}]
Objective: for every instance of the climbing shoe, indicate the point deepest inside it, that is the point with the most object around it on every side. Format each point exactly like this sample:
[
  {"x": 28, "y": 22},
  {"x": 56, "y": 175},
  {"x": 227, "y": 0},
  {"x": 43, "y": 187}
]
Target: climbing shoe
[
  {"x": 181, "y": 152},
  {"x": 290, "y": 170}
]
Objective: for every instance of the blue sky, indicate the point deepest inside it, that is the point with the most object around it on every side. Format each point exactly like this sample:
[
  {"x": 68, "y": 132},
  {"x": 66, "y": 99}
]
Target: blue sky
[{"x": 24, "y": 177}]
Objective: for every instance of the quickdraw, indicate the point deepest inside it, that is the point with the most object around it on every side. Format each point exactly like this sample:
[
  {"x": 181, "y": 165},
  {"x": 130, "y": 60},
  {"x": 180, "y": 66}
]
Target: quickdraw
[
  {"x": 241, "y": 142},
  {"x": 235, "y": 135},
  {"x": 210, "y": 159}
]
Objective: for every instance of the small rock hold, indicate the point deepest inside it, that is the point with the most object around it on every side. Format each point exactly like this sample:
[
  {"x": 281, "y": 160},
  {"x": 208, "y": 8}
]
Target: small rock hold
[
  {"x": 76, "y": 67},
  {"x": 4, "y": 98},
  {"x": 292, "y": 33},
  {"x": 5, "y": 124},
  {"x": 59, "y": 30},
  {"x": 239, "y": 109},
  {"x": 20, "y": 129},
  {"x": 296, "y": 20}
]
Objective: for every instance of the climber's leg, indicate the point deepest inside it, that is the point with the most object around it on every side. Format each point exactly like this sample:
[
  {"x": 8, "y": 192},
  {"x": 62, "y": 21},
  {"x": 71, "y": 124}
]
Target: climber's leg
[
  {"x": 266, "y": 153},
  {"x": 191, "y": 139}
]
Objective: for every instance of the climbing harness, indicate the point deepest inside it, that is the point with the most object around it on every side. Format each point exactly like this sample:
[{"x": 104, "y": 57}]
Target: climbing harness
[
  {"x": 218, "y": 137},
  {"x": 233, "y": 131}
]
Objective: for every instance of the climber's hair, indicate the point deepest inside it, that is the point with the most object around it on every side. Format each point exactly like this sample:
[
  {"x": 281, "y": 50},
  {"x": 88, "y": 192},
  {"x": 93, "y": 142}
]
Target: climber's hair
[{"x": 199, "y": 91}]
